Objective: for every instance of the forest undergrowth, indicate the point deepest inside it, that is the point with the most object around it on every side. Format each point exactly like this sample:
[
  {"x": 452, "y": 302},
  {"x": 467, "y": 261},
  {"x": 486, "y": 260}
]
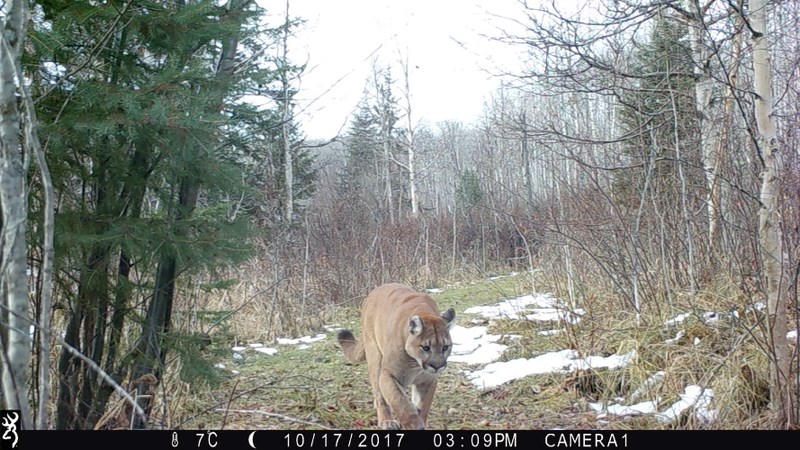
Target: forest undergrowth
[{"x": 712, "y": 340}]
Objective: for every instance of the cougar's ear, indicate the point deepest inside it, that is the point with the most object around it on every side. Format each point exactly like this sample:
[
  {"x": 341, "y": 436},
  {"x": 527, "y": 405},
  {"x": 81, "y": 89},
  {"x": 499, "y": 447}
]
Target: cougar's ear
[
  {"x": 415, "y": 325},
  {"x": 449, "y": 317}
]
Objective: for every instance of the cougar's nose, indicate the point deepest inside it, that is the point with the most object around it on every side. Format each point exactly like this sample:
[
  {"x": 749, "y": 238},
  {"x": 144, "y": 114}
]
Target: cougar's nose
[{"x": 438, "y": 368}]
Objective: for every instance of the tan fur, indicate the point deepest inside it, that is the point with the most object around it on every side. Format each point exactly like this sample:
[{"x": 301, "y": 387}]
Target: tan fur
[{"x": 396, "y": 324}]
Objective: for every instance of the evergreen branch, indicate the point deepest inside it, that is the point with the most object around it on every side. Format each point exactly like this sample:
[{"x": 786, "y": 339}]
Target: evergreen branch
[{"x": 100, "y": 44}]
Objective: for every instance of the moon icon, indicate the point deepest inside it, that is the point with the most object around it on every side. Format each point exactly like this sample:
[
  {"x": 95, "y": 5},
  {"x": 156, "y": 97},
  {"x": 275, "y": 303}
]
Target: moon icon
[{"x": 250, "y": 439}]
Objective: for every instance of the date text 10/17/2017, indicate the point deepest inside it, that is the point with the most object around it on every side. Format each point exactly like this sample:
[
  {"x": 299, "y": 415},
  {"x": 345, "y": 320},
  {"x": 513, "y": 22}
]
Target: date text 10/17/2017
[{"x": 399, "y": 440}]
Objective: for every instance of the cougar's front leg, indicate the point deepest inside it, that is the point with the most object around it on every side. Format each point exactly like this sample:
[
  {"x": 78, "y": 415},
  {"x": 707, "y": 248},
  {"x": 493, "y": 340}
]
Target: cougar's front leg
[
  {"x": 385, "y": 418},
  {"x": 422, "y": 396},
  {"x": 405, "y": 411}
]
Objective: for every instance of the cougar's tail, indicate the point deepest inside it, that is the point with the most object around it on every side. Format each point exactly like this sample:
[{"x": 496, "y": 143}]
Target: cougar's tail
[{"x": 352, "y": 348}]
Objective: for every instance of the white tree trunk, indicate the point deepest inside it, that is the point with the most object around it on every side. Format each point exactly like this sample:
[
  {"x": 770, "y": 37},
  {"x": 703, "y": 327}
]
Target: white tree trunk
[
  {"x": 412, "y": 182},
  {"x": 769, "y": 219},
  {"x": 13, "y": 273},
  {"x": 387, "y": 173},
  {"x": 703, "y": 87},
  {"x": 287, "y": 146},
  {"x": 33, "y": 145},
  {"x": 410, "y": 150}
]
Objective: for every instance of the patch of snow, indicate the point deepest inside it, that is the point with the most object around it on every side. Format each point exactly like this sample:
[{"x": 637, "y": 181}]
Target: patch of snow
[
  {"x": 483, "y": 354},
  {"x": 497, "y": 277},
  {"x": 304, "y": 339},
  {"x": 256, "y": 345},
  {"x": 219, "y": 366},
  {"x": 238, "y": 349},
  {"x": 332, "y": 327},
  {"x": 648, "y": 407},
  {"x": 553, "y": 314},
  {"x": 597, "y": 406},
  {"x": 473, "y": 346},
  {"x": 702, "y": 410},
  {"x": 238, "y": 356},
  {"x": 434, "y": 290},
  {"x": 648, "y": 385},
  {"x": 309, "y": 339},
  {"x": 696, "y": 340},
  {"x": 707, "y": 317},
  {"x": 677, "y": 337},
  {"x": 511, "y": 308},
  {"x": 550, "y": 332},
  {"x": 462, "y": 335},
  {"x": 562, "y": 361},
  {"x": 267, "y": 350},
  {"x": 678, "y": 319},
  {"x": 235, "y": 372},
  {"x": 693, "y": 396},
  {"x": 610, "y": 362},
  {"x": 303, "y": 346},
  {"x": 792, "y": 335}
]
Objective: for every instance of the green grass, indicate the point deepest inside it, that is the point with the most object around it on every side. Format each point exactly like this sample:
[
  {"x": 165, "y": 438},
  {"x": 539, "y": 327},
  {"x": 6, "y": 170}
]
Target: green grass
[
  {"x": 315, "y": 388},
  {"x": 483, "y": 292}
]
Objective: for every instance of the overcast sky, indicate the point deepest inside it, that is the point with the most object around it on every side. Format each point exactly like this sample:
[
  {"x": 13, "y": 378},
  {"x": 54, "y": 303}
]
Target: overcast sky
[{"x": 449, "y": 57}]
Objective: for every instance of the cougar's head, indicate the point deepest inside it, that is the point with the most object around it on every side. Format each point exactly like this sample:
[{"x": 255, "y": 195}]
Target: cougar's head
[{"x": 429, "y": 340}]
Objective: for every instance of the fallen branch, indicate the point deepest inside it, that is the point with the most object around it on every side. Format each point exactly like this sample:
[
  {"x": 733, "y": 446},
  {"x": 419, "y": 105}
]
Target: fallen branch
[{"x": 269, "y": 414}]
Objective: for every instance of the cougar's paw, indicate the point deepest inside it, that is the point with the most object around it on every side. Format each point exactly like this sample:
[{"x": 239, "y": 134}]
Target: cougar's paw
[
  {"x": 390, "y": 425},
  {"x": 415, "y": 423}
]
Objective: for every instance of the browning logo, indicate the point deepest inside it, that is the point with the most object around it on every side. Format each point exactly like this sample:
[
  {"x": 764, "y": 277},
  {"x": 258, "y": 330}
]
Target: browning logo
[{"x": 8, "y": 423}]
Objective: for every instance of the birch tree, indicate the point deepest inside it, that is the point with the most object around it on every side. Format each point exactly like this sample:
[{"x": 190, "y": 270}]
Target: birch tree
[
  {"x": 769, "y": 217},
  {"x": 409, "y": 141},
  {"x": 695, "y": 16},
  {"x": 386, "y": 114},
  {"x": 15, "y": 320}
]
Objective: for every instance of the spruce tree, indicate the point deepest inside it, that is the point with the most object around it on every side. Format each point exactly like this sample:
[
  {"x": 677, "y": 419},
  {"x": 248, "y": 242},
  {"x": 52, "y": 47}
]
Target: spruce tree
[
  {"x": 139, "y": 104},
  {"x": 665, "y": 80}
]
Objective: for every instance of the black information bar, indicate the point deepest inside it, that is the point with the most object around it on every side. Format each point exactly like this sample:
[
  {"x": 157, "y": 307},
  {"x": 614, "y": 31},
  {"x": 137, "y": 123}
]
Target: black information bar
[{"x": 401, "y": 440}]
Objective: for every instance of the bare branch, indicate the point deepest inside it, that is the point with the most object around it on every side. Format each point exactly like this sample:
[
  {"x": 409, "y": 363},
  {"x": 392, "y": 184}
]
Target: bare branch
[{"x": 276, "y": 415}]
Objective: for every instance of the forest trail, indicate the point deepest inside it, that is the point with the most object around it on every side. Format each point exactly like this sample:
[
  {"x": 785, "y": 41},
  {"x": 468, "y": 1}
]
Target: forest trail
[{"x": 515, "y": 365}]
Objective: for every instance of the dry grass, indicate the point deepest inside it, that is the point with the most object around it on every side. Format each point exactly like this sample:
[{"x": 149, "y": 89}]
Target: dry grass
[{"x": 313, "y": 388}]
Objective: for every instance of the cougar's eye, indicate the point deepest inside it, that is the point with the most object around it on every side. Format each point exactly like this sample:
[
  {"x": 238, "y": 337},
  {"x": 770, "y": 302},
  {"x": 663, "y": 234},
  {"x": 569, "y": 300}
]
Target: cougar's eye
[
  {"x": 444, "y": 349},
  {"x": 426, "y": 348}
]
